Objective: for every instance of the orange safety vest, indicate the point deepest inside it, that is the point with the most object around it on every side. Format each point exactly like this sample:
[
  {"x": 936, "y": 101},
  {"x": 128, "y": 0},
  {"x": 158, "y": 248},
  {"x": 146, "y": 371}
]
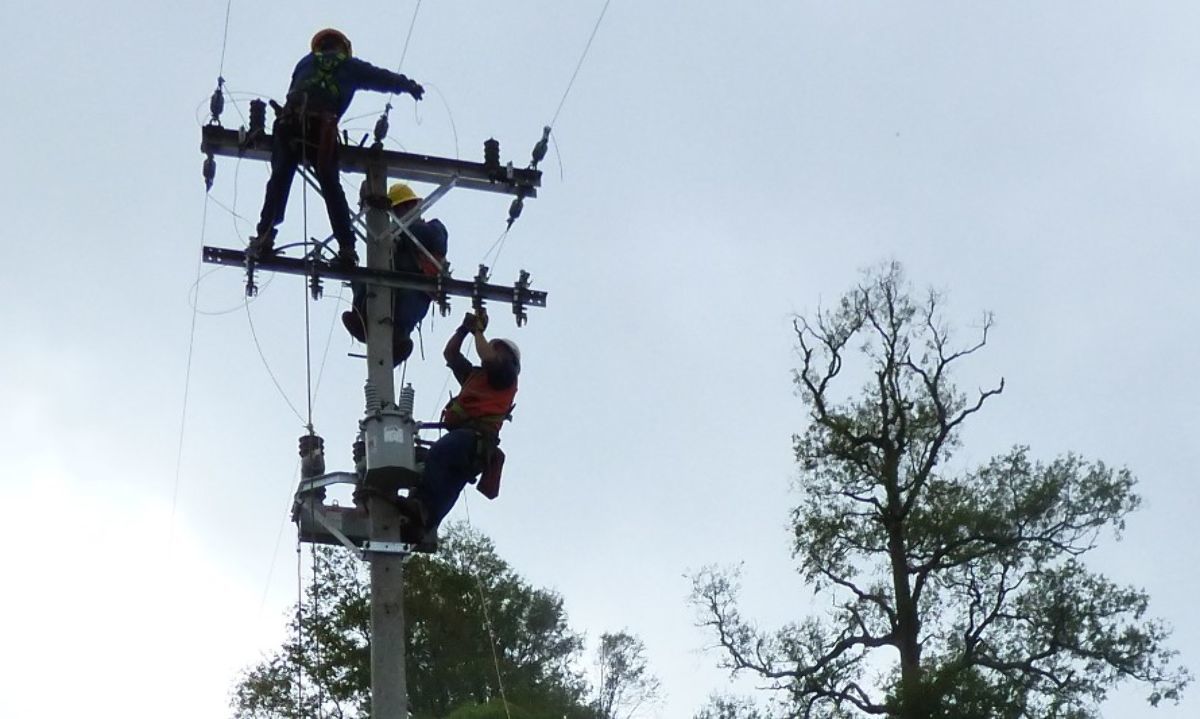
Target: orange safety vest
[{"x": 479, "y": 406}]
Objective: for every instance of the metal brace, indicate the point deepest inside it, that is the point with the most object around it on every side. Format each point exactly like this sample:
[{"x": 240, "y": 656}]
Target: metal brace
[
  {"x": 519, "y": 290},
  {"x": 319, "y": 516},
  {"x": 386, "y": 548}
]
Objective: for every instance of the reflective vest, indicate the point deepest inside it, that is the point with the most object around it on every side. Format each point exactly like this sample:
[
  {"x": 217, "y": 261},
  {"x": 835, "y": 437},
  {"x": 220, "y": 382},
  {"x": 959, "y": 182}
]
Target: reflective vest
[
  {"x": 479, "y": 406},
  {"x": 324, "y": 76}
]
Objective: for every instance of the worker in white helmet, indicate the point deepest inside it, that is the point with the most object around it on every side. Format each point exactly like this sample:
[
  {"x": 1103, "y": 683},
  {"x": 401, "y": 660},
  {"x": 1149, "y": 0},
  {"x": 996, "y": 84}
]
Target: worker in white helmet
[{"x": 471, "y": 446}]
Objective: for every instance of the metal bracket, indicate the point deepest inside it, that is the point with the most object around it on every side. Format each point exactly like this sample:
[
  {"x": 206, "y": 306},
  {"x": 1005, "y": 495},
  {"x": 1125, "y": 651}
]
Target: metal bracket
[
  {"x": 312, "y": 484},
  {"x": 386, "y": 548}
]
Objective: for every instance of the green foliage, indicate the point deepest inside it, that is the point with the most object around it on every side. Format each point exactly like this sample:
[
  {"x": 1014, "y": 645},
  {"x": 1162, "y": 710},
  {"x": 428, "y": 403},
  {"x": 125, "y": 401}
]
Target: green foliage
[
  {"x": 626, "y": 684},
  {"x": 451, "y": 668},
  {"x": 974, "y": 579}
]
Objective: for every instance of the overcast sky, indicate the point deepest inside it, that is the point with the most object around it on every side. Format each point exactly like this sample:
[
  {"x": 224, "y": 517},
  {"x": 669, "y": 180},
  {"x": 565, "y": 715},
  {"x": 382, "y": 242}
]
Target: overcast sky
[{"x": 719, "y": 167}]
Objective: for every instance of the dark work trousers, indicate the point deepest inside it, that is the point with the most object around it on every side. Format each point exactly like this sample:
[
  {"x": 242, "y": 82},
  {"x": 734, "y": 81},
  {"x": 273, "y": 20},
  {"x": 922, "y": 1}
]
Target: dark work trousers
[
  {"x": 453, "y": 461},
  {"x": 311, "y": 139}
]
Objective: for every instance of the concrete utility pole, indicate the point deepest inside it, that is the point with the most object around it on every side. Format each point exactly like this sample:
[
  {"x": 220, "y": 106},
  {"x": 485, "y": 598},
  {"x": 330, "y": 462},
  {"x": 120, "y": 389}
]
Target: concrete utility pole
[
  {"x": 387, "y": 463},
  {"x": 389, "y": 692}
]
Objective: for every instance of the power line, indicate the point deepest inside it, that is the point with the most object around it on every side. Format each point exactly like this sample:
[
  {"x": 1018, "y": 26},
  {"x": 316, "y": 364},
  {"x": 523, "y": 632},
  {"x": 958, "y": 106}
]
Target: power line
[
  {"x": 579, "y": 65},
  {"x": 412, "y": 24},
  {"x": 187, "y": 384},
  {"x": 225, "y": 38}
]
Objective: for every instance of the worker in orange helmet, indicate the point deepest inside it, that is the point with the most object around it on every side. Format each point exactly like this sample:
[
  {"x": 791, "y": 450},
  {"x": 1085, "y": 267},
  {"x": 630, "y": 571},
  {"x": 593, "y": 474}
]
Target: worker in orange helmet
[
  {"x": 473, "y": 417},
  {"x": 409, "y": 306},
  {"x": 323, "y": 84}
]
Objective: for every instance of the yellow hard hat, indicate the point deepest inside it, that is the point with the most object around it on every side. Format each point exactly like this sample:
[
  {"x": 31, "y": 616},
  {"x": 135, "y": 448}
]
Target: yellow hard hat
[
  {"x": 400, "y": 193},
  {"x": 328, "y": 33}
]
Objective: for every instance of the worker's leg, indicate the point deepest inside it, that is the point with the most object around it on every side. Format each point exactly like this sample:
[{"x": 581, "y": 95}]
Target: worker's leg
[
  {"x": 328, "y": 172},
  {"x": 448, "y": 468},
  {"x": 285, "y": 157},
  {"x": 409, "y": 309}
]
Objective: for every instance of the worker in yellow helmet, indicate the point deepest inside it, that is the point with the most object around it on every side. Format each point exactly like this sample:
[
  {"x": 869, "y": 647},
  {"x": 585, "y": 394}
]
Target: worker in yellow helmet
[
  {"x": 409, "y": 306},
  {"x": 323, "y": 84}
]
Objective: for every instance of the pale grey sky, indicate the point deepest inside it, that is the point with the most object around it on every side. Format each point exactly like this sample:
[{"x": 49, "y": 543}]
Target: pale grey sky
[{"x": 723, "y": 166}]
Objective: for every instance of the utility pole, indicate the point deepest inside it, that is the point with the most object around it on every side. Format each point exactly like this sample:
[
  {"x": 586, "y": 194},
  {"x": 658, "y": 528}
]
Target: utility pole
[
  {"x": 389, "y": 695},
  {"x": 385, "y": 458}
]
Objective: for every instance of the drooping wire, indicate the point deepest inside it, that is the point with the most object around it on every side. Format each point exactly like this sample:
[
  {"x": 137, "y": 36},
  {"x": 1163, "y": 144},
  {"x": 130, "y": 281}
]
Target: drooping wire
[
  {"x": 187, "y": 384},
  {"x": 579, "y": 65},
  {"x": 267, "y": 366}
]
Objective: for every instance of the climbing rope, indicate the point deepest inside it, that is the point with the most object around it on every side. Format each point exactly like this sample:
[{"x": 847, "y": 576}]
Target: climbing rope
[{"x": 487, "y": 620}]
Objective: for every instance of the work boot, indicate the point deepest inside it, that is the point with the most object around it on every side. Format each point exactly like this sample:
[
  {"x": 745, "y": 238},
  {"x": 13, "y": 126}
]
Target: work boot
[
  {"x": 262, "y": 245},
  {"x": 402, "y": 348},
  {"x": 413, "y": 519},
  {"x": 354, "y": 325},
  {"x": 347, "y": 258}
]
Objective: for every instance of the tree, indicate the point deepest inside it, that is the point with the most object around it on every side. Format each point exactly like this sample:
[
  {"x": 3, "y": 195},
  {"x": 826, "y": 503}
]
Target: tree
[
  {"x": 626, "y": 683},
  {"x": 323, "y": 669},
  {"x": 968, "y": 586}
]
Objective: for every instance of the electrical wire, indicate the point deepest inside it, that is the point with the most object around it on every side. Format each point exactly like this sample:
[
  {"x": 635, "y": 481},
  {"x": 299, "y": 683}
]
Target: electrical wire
[
  {"x": 187, "y": 384},
  {"x": 225, "y": 38},
  {"x": 267, "y": 366},
  {"x": 412, "y": 24},
  {"x": 579, "y": 65}
]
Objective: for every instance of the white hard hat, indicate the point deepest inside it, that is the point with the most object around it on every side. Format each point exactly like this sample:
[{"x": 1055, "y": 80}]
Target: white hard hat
[{"x": 512, "y": 347}]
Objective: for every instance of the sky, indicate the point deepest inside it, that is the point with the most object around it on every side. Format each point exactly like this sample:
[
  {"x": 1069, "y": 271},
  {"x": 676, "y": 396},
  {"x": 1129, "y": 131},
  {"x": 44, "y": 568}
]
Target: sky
[{"x": 717, "y": 168}]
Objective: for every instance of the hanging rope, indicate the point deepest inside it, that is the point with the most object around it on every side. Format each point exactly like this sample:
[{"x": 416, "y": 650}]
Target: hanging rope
[
  {"x": 487, "y": 621},
  {"x": 299, "y": 627}
]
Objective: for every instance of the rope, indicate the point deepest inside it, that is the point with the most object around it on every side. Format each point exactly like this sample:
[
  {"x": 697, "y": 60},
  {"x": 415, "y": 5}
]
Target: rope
[
  {"x": 579, "y": 65},
  {"x": 299, "y": 626},
  {"x": 487, "y": 621}
]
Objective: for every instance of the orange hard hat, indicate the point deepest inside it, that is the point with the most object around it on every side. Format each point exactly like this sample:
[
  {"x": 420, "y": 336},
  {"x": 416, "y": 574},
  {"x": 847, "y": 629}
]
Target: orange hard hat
[{"x": 327, "y": 34}]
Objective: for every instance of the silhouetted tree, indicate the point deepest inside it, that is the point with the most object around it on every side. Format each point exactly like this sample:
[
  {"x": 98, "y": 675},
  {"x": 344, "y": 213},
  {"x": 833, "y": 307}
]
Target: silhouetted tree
[{"x": 969, "y": 585}]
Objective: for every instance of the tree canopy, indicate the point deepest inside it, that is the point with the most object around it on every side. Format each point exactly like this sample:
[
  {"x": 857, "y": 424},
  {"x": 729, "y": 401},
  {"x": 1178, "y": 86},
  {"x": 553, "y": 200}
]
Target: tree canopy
[
  {"x": 452, "y": 670},
  {"x": 955, "y": 593}
]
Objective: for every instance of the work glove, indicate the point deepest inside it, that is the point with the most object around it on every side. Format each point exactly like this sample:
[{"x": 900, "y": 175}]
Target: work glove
[
  {"x": 475, "y": 322},
  {"x": 415, "y": 89}
]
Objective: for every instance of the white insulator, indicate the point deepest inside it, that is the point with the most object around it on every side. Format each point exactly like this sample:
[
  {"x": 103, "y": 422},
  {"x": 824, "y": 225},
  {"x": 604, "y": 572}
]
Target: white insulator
[
  {"x": 372, "y": 395},
  {"x": 407, "y": 397}
]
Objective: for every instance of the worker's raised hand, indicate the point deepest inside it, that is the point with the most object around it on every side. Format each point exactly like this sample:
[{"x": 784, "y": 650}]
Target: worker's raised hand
[
  {"x": 475, "y": 322},
  {"x": 416, "y": 90}
]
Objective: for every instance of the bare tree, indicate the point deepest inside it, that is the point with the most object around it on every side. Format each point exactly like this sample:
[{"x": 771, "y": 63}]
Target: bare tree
[
  {"x": 955, "y": 594},
  {"x": 626, "y": 684}
]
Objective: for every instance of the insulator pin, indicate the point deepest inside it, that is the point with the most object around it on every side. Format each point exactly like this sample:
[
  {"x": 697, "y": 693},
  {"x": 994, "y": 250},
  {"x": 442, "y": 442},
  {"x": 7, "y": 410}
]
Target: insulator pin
[
  {"x": 491, "y": 155},
  {"x": 209, "y": 171},
  {"x": 216, "y": 103},
  {"x": 258, "y": 116},
  {"x": 539, "y": 150},
  {"x": 312, "y": 455},
  {"x": 381, "y": 125},
  {"x": 407, "y": 397},
  {"x": 514, "y": 210}
]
